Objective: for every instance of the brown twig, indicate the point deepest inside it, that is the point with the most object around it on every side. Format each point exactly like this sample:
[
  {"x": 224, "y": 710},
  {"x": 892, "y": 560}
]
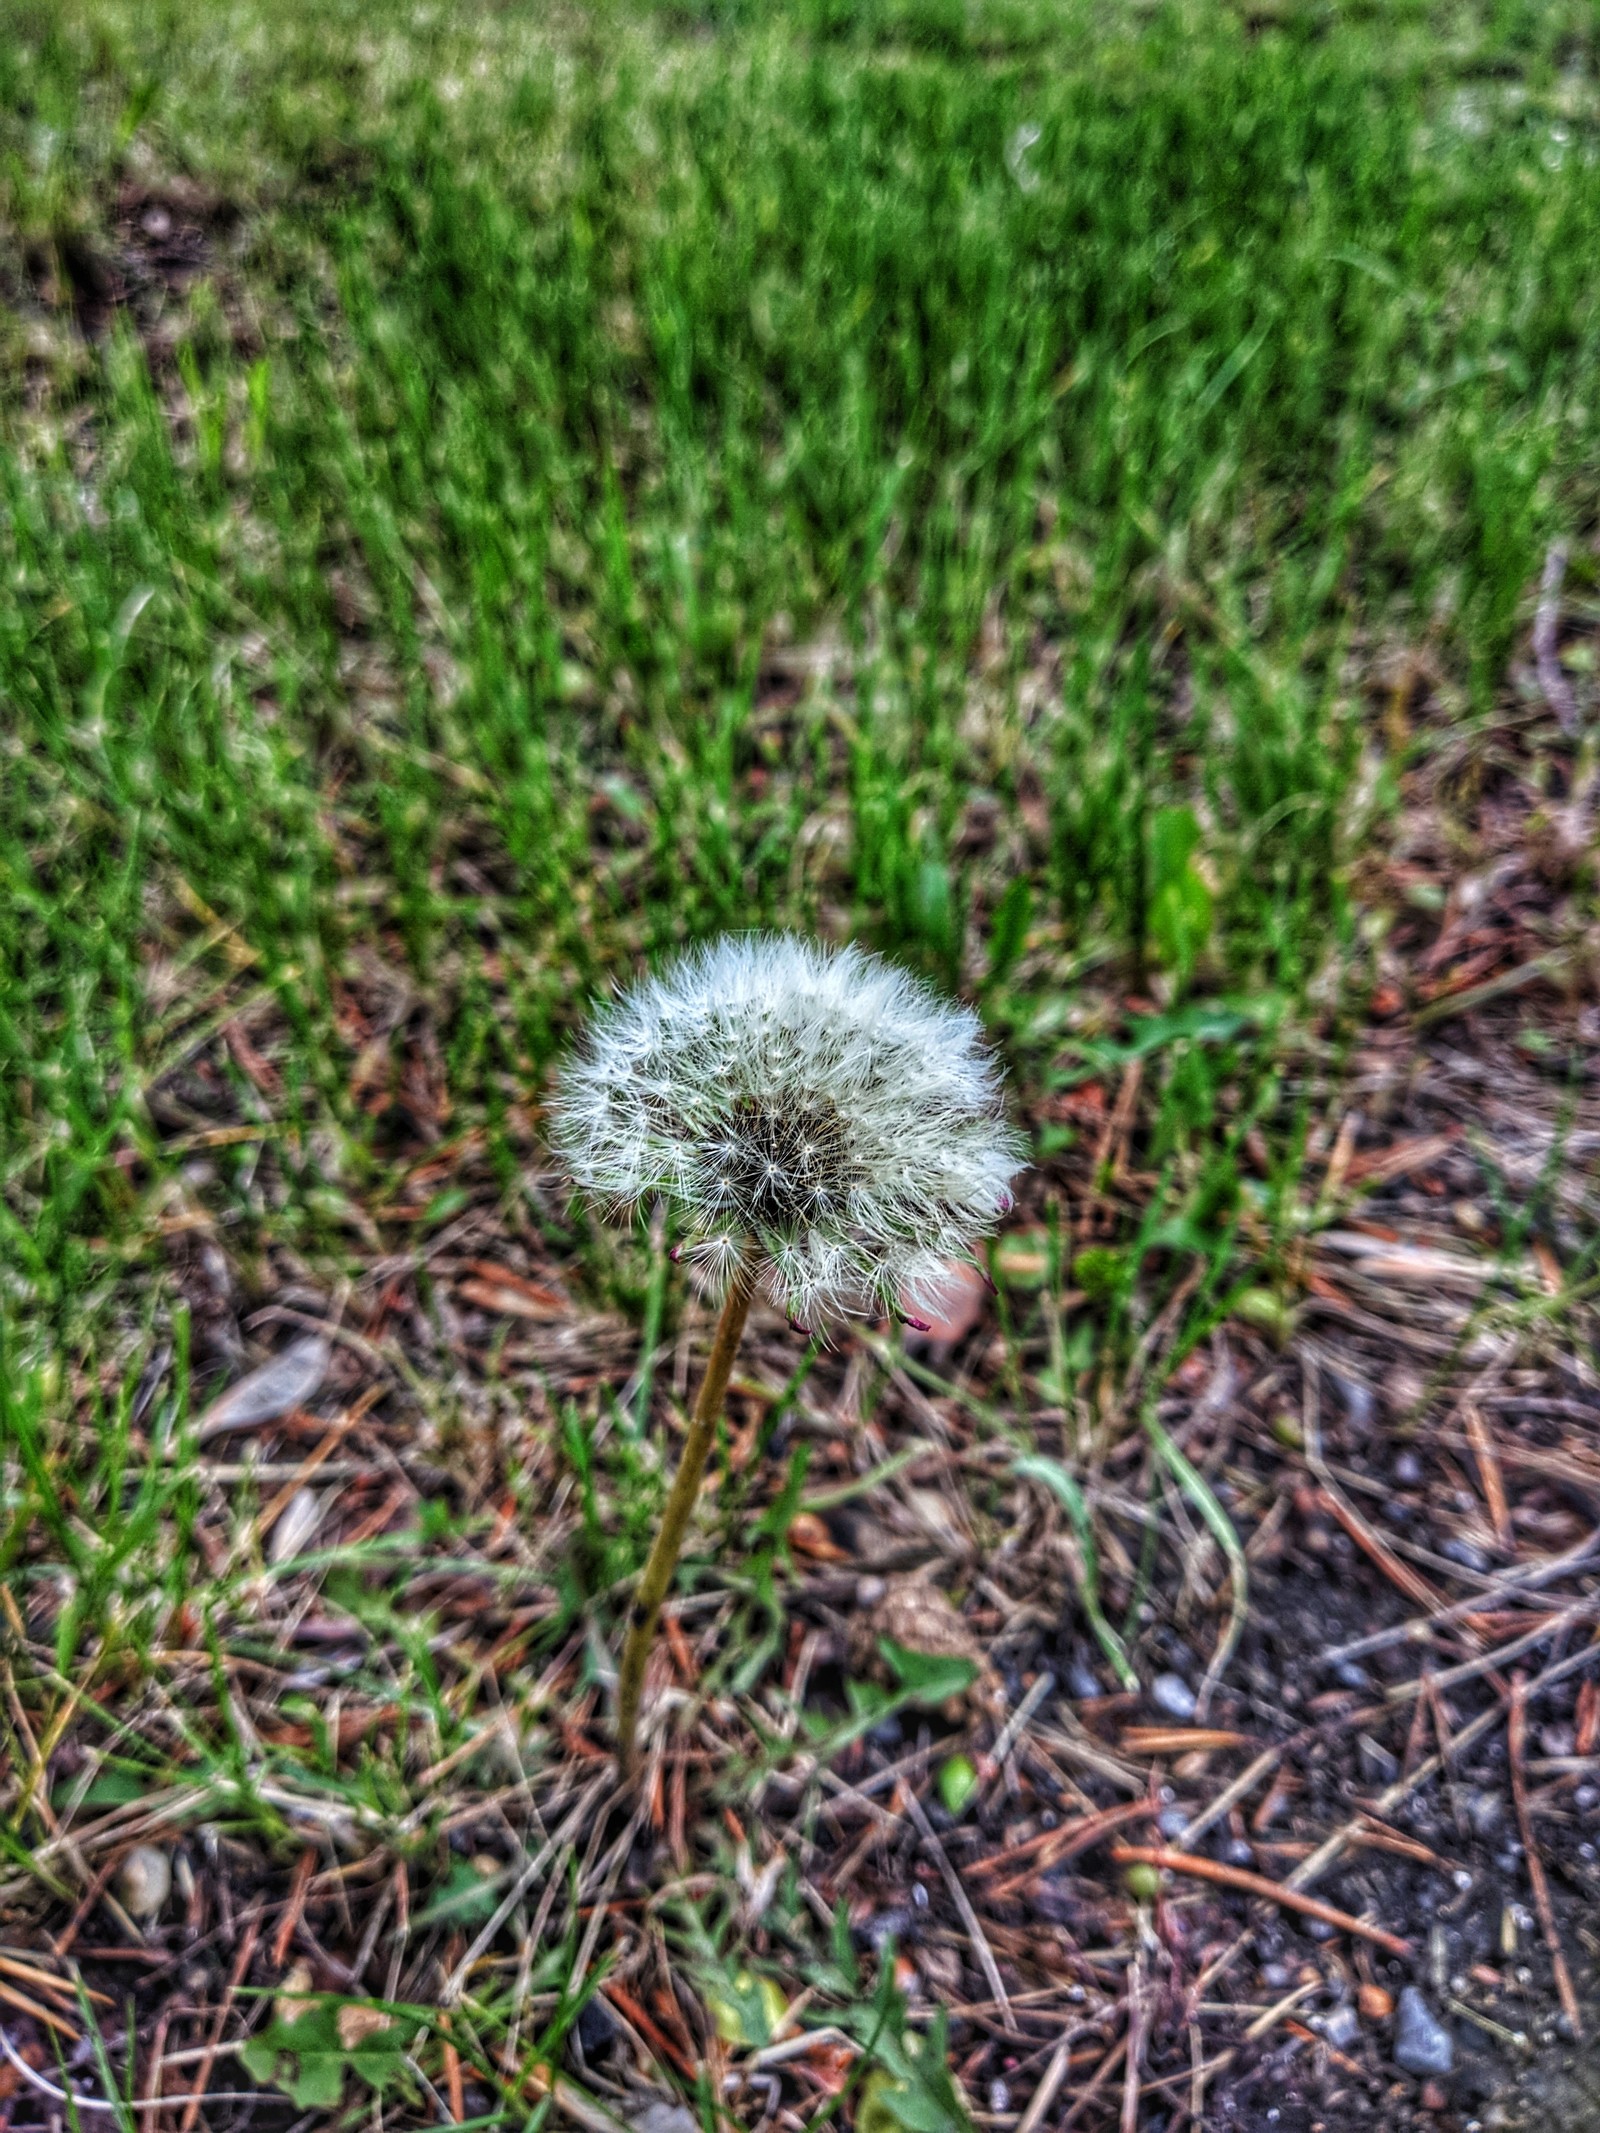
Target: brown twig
[
  {"x": 1421, "y": 1627},
  {"x": 1310, "y": 1870},
  {"x": 1054, "y": 2074},
  {"x": 1411, "y": 1582},
  {"x": 236, "y": 1977},
  {"x": 1130, "y": 2065},
  {"x": 1494, "y": 1487},
  {"x": 1231, "y": 1794},
  {"x": 1051, "y": 1846},
  {"x": 969, "y": 1917},
  {"x": 1239, "y": 1877},
  {"x": 1516, "y": 1732},
  {"x": 1096, "y": 2082},
  {"x": 294, "y": 1907},
  {"x": 1489, "y": 1662}
]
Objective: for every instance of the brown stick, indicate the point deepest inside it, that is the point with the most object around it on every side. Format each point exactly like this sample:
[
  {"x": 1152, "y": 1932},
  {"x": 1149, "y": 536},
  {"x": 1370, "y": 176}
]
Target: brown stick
[
  {"x": 657, "y": 1576},
  {"x": 1097, "y": 2081},
  {"x": 236, "y": 1977},
  {"x": 1494, "y": 1487},
  {"x": 1238, "y": 1877},
  {"x": 1051, "y": 1846},
  {"x": 1516, "y": 1733}
]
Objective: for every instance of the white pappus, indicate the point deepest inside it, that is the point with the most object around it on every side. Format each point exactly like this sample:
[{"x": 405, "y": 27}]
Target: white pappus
[{"x": 816, "y": 1103}]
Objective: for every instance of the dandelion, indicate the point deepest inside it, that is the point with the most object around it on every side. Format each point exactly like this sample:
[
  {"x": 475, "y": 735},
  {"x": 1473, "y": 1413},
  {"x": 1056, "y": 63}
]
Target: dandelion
[{"x": 822, "y": 1127}]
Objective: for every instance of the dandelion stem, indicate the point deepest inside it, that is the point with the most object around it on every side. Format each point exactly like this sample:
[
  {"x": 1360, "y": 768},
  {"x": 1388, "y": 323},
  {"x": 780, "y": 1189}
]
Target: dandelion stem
[{"x": 656, "y": 1580}]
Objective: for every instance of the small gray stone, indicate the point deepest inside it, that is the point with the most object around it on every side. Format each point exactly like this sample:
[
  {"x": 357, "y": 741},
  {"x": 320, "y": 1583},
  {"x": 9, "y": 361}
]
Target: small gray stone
[
  {"x": 1173, "y": 1821},
  {"x": 1467, "y": 1553},
  {"x": 1484, "y": 1810},
  {"x": 1171, "y": 1694},
  {"x": 1277, "y": 1976},
  {"x": 660, "y": 2116},
  {"x": 1422, "y": 2044},
  {"x": 1359, "y": 1404},
  {"x": 1341, "y": 2026},
  {"x": 1239, "y": 1852},
  {"x": 1408, "y": 1470},
  {"x": 1083, "y": 1682}
]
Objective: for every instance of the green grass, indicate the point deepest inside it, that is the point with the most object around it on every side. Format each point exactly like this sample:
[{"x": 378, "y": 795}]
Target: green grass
[
  {"x": 1095, "y": 398},
  {"x": 959, "y": 475}
]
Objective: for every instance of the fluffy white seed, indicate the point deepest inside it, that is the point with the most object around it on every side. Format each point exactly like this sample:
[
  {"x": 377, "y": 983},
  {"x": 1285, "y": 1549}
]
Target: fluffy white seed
[{"x": 819, "y": 1102}]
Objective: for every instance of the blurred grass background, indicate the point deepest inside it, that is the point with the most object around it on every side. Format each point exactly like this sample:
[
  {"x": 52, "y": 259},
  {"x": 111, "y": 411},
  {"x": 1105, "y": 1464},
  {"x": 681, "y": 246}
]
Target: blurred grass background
[{"x": 963, "y": 472}]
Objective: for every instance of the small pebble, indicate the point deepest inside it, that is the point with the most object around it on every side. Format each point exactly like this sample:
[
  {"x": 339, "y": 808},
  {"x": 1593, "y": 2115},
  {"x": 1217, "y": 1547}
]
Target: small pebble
[
  {"x": 1422, "y": 2044},
  {"x": 659, "y": 2116},
  {"x": 1484, "y": 1810},
  {"x": 1277, "y": 1977},
  {"x": 1585, "y": 1797},
  {"x": 1171, "y": 1694},
  {"x": 999, "y": 2097},
  {"x": 1172, "y": 1821},
  {"x": 144, "y": 1881},
  {"x": 1082, "y": 1682},
  {"x": 1319, "y": 1929},
  {"x": 1467, "y": 1553},
  {"x": 1341, "y": 2027},
  {"x": 1237, "y": 1852},
  {"x": 1351, "y": 1674},
  {"x": 596, "y": 2026},
  {"x": 1433, "y": 2097},
  {"x": 1408, "y": 1469},
  {"x": 1358, "y": 1401},
  {"x": 1375, "y": 2004}
]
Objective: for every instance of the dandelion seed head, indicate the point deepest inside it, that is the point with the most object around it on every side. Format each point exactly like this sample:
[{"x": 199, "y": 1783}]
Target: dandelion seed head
[{"x": 817, "y": 1102}]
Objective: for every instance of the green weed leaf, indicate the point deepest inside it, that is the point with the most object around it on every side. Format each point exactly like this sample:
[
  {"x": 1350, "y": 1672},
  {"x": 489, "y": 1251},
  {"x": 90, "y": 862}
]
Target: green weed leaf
[
  {"x": 309, "y": 2057},
  {"x": 925, "y": 1677}
]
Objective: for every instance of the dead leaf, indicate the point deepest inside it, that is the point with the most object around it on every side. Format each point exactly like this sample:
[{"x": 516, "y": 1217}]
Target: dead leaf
[
  {"x": 356, "y": 2022},
  {"x": 289, "y": 1380}
]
